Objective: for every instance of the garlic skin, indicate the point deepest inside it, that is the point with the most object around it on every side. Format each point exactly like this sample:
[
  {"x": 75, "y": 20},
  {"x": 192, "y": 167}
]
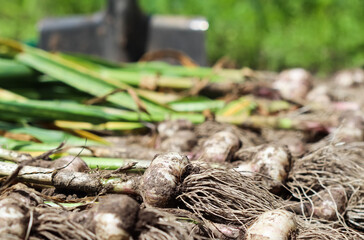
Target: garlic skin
[
  {"x": 115, "y": 217},
  {"x": 327, "y": 203},
  {"x": 13, "y": 219},
  {"x": 220, "y": 147},
  {"x": 272, "y": 225},
  {"x": 167, "y": 129},
  {"x": 319, "y": 95},
  {"x": 181, "y": 141},
  {"x": 107, "y": 227},
  {"x": 271, "y": 161},
  {"x": 293, "y": 84},
  {"x": 223, "y": 231},
  {"x": 349, "y": 77},
  {"x": 70, "y": 163},
  {"x": 351, "y": 128},
  {"x": 15, "y": 204},
  {"x": 160, "y": 180}
]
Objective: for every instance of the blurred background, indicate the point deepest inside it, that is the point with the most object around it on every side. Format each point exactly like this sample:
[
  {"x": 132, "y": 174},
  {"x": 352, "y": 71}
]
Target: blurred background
[{"x": 319, "y": 35}]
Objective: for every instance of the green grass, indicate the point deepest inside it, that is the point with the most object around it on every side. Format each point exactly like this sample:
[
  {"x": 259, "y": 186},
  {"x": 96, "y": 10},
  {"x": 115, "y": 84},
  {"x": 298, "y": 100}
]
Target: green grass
[
  {"x": 321, "y": 35},
  {"x": 18, "y": 18}
]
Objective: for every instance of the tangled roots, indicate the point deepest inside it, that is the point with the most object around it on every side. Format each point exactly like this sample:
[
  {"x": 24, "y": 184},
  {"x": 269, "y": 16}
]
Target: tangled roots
[
  {"x": 154, "y": 224},
  {"x": 52, "y": 223},
  {"x": 319, "y": 231},
  {"x": 328, "y": 166},
  {"x": 326, "y": 169},
  {"x": 355, "y": 214},
  {"x": 226, "y": 196}
]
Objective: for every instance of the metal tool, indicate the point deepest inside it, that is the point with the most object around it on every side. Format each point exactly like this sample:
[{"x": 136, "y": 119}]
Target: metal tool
[{"x": 124, "y": 33}]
